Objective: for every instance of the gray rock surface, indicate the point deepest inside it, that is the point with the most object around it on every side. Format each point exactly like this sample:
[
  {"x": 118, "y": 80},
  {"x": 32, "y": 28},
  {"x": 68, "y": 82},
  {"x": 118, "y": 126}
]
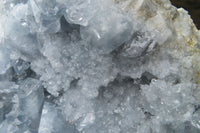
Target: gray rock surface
[{"x": 98, "y": 66}]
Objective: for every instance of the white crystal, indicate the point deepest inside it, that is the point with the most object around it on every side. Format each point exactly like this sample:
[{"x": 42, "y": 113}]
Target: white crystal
[{"x": 98, "y": 66}]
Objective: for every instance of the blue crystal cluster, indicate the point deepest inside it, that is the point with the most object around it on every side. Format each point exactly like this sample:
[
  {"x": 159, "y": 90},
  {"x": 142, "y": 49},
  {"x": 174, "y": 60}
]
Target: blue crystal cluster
[{"x": 85, "y": 66}]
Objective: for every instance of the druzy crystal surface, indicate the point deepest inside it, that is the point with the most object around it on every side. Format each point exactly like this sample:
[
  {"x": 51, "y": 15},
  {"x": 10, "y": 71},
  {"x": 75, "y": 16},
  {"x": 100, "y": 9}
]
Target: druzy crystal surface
[{"x": 98, "y": 66}]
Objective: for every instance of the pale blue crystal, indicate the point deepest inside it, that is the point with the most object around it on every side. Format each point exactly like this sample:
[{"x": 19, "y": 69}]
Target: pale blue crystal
[{"x": 86, "y": 66}]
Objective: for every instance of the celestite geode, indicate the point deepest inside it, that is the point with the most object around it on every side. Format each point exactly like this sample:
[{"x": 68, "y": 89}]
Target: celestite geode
[{"x": 98, "y": 66}]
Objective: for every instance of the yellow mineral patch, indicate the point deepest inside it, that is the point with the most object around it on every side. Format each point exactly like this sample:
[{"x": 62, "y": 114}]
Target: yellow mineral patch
[{"x": 191, "y": 41}]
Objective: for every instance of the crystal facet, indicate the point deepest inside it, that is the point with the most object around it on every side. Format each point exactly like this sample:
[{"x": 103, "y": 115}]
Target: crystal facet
[{"x": 98, "y": 66}]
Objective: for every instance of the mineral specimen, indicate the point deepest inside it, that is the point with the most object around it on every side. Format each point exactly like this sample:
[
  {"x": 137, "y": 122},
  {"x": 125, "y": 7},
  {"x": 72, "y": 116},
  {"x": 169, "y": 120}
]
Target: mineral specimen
[{"x": 98, "y": 66}]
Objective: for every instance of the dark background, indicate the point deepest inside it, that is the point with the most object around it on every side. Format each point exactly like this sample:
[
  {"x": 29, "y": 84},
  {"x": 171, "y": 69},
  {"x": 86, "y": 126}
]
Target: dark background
[{"x": 192, "y": 6}]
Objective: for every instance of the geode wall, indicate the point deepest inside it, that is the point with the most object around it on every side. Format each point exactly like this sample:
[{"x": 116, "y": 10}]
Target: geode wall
[{"x": 98, "y": 66}]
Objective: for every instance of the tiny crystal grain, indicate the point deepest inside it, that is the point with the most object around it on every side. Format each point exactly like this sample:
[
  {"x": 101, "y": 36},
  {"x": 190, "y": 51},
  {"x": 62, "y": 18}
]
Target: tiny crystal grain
[{"x": 98, "y": 66}]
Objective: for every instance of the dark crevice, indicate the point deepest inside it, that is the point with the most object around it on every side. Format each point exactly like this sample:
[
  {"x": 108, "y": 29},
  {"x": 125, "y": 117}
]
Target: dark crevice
[
  {"x": 67, "y": 27},
  {"x": 74, "y": 83},
  {"x": 146, "y": 78},
  {"x": 147, "y": 114},
  {"x": 173, "y": 78},
  {"x": 123, "y": 81},
  {"x": 136, "y": 37},
  {"x": 51, "y": 98},
  {"x": 48, "y": 96},
  {"x": 124, "y": 84},
  {"x": 70, "y": 30},
  {"x": 26, "y": 74},
  {"x": 20, "y": 70},
  {"x": 60, "y": 93},
  {"x": 110, "y": 91},
  {"x": 196, "y": 108}
]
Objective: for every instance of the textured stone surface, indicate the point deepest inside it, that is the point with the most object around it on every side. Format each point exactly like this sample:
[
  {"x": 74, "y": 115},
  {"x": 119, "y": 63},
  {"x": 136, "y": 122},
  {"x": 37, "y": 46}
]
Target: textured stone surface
[
  {"x": 193, "y": 6},
  {"x": 98, "y": 66}
]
